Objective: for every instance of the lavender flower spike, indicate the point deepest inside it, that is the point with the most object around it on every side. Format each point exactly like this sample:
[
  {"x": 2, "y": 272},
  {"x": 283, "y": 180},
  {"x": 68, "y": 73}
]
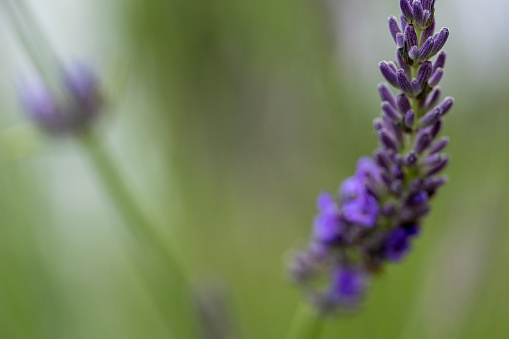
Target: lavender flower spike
[
  {"x": 378, "y": 212},
  {"x": 70, "y": 110}
]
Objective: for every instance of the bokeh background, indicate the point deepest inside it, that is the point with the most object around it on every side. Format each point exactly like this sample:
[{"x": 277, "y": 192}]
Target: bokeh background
[{"x": 227, "y": 118}]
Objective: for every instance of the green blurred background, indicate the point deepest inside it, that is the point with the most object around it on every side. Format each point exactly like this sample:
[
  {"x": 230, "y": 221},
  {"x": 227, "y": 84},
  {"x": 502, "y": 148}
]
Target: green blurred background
[{"x": 227, "y": 118}]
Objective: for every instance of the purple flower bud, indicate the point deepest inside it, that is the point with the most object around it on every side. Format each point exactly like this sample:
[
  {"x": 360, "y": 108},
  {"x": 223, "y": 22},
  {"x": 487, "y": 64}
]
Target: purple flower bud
[
  {"x": 394, "y": 130},
  {"x": 409, "y": 119},
  {"x": 428, "y": 32},
  {"x": 433, "y": 98},
  {"x": 402, "y": 64},
  {"x": 397, "y": 187},
  {"x": 438, "y": 145},
  {"x": 327, "y": 225},
  {"x": 393, "y": 27},
  {"x": 403, "y": 22},
  {"x": 412, "y": 53},
  {"x": 397, "y": 245},
  {"x": 400, "y": 40},
  {"x": 41, "y": 105},
  {"x": 432, "y": 159},
  {"x": 431, "y": 117},
  {"x": 411, "y": 158},
  {"x": 378, "y": 124},
  {"x": 426, "y": 4},
  {"x": 388, "y": 73},
  {"x": 446, "y": 105},
  {"x": 386, "y": 94},
  {"x": 383, "y": 160},
  {"x": 418, "y": 13},
  {"x": 348, "y": 286},
  {"x": 425, "y": 50},
  {"x": 440, "y": 61},
  {"x": 402, "y": 103},
  {"x": 422, "y": 142},
  {"x": 416, "y": 87},
  {"x": 362, "y": 210},
  {"x": 418, "y": 198},
  {"x": 389, "y": 209},
  {"x": 432, "y": 183},
  {"x": 83, "y": 87},
  {"x": 436, "y": 77},
  {"x": 435, "y": 129},
  {"x": 390, "y": 111},
  {"x": 440, "y": 40},
  {"x": 387, "y": 141},
  {"x": 410, "y": 36},
  {"x": 424, "y": 73},
  {"x": 437, "y": 167},
  {"x": 406, "y": 9},
  {"x": 404, "y": 83}
]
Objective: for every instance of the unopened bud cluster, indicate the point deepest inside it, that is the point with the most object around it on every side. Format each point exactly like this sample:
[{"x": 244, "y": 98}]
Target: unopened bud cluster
[{"x": 377, "y": 213}]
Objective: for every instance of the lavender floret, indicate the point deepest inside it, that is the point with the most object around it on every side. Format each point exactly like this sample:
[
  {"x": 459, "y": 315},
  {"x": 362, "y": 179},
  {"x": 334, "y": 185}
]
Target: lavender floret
[{"x": 378, "y": 212}]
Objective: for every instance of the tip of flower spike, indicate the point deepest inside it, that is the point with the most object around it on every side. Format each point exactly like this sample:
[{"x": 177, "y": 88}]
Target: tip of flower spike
[{"x": 71, "y": 109}]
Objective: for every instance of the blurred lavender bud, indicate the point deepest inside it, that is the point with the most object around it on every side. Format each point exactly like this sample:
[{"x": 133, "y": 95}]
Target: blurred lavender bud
[
  {"x": 433, "y": 98},
  {"x": 397, "y": 187},
  {"x": 437, "y": 167},
  {"x": 400, "y": 40},
  {"x": 426, "y": 4},
  {"x": 418, "y": 13},
  {"x": 411, "y": 158},
  {"x": 402, "y": 64},
  {"x": 386, "y": 94},
  {"x": 406, "y": 9},
  {"x": 418, "y": 198},
  {"x": 410, "y": 36},
  {"x": 440, "y": 40},
  {"x": 388, "y": 73},
  {"x": 432, "y": 159},
  {"x": 432, "y": 183},
  {"x": 382, "y": 159},
  {"x": 397, "y": 245},
  {"x": 425, "y": 50},
  {"x": 402, "y": 103},
  {"x": 41, "y": 105},
  {"x": 424, "y": 73},
  {"x": 409, "y": 119},
  {"x": 422, "y": 142},
  {"x": 416, "y": 87},
  {"x": 446, "y": 105},
  {"x": 436, "y": 77},
  {"x": 403, "y": 22},
  {"x": 387, "y": 141},
  {"x": 393, "y": 27},
  {"x": 435, "y": 129},
  {"x": 390, "y": 111},
  {"x": 412, "y": 53},
  {"x": 428, "y": 32},
  {"x": 72, "y": 109},
  {"x": 378, "y": 124},
  {"x": 348, "y": 287},
  {"x": 430, "y": 118},
  {"x": 404, "y": 83},
  {"x": 440, "y": 61},
  {"x": 438, "y": 145}
]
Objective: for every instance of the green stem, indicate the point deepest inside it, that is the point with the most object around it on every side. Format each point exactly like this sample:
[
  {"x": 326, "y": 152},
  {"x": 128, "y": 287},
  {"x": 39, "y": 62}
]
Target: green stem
[
  {"x": 178, "y": 294},
  {"x": 306, "y": 324},
  {"x": 136, "y": 220}
]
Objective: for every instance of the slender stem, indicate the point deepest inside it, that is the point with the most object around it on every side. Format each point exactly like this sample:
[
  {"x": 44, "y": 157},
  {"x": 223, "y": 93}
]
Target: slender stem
[
  {"x": 136, "y": 220},
  {"x": 306, "y": 324},
  {"x": 178, "y": 295}
]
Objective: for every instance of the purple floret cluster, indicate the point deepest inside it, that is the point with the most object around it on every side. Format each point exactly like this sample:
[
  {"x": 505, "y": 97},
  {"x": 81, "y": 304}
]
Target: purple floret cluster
[{"x": 377, "y": 213}]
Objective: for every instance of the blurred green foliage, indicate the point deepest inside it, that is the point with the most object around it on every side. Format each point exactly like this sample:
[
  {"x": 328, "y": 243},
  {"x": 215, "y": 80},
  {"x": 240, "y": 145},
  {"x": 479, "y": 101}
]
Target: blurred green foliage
[{"x": 235, "y": 116}]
